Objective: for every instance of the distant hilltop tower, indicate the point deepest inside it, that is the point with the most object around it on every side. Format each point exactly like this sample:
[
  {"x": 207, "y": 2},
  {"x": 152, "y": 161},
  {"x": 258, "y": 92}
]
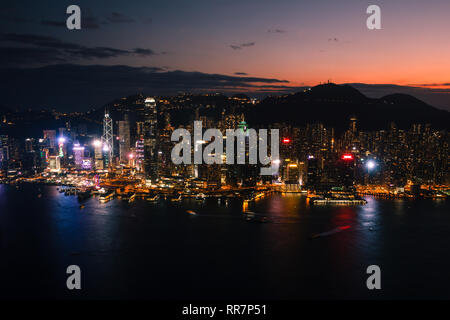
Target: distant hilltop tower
[{"x": 107, "y": 137}]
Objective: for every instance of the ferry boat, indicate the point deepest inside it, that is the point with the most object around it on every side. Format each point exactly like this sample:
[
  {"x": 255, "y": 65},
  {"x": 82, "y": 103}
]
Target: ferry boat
[
  {"x": 132, "y": 198},
  {"x": 343, "y": 201},
  {"x": 176, "y": 199},
  {"x": 200, "y": 197},
  {"x": 106, "y": 196},
  {"x": 154, "y": 199}
]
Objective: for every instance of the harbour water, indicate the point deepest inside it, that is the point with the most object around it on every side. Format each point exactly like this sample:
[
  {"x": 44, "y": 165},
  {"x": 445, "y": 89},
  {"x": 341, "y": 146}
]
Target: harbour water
[{"x": 193, "y": 249}]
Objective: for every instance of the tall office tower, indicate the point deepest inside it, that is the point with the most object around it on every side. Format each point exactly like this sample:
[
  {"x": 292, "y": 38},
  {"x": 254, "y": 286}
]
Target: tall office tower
[
  {"x": 124, "y": 139},
  {"x": 98, "y": 155},
  {"x": 140, "y": 130},
  {"x": 139, "y": 154},
  {"x": 4, "y": 151},
  {"x": 107, "y": 137},
  {"x": 51, "y": 136},
  {"x": 150, "y": 139},
  {"x": 313, "y": 172},
  {"x": 78, "y": 154},
  {"x": 54, "y": 163}
]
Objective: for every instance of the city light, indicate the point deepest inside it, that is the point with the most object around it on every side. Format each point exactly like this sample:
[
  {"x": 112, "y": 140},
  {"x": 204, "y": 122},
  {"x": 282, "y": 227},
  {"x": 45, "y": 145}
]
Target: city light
[
  {"x": 370, "y": 164},
  {"x": 61, "y": 140},
  {"x": 97, "y": 143},
  {"x": 347, "y": 156},
  {"x": 286, "y": 140}
]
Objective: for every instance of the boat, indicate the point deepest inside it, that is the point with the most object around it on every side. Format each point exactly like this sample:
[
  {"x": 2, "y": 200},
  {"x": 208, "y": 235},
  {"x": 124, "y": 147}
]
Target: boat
[
  {"x": 200, "y": 197},
  {"x": 132, "y": 198},
  {"x": 154, "y": 199},
  {"x": 331, "y": 201},
  {"x": 106, "y": 196},
  {"x": 82, "y": 206},
  {"x": 192, "y": 213}
]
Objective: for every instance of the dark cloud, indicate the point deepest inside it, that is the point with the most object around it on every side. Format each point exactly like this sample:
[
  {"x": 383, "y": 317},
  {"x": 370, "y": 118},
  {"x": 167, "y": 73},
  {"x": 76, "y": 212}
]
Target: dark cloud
[
  {"x": 80, "y": 87},
  {"x": 53, "y": 23},
  {"x": 240, "y": 73},
  {"x": 49, "y": 49},
  {"x": 116, "y": 17},
  {"x": 276, "y": 31},
  {"x": 432, "y": 84},
  {"x": 144, "y": 52},
  {"x": 242, "y": 45},
  {"x": 14, "y": 19},
  {"x": 13, "y": 56},
  {"x": 333, "y": 40}
]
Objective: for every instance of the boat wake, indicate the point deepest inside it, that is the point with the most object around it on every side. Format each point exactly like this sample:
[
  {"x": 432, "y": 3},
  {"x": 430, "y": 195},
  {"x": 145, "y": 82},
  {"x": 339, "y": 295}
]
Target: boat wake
[{"x": 331, "y": 232}]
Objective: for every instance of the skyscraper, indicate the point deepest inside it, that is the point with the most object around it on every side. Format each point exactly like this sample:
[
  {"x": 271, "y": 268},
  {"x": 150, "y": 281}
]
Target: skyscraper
[
  {"x": 150, "y": 139},
  {"x": 124, "y": 139},
  {"x": 107, "y": 137},
  {"x": 51, "y": 136},
  {"x": 78, "y": 153},
  {"x": 4, "y": 151}
]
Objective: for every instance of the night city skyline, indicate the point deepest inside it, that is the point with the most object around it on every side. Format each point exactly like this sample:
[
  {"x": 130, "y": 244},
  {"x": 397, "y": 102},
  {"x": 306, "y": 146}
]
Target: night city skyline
[{"x": 225, "y": 158}]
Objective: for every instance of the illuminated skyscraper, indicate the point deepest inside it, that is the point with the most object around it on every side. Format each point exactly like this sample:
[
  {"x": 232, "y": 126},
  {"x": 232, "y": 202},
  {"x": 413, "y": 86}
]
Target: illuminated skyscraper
[
  {"x": 124, "y": 139},
  {"x": 139, "y": 154},
  {"x": 51, "y": 136},
  {"x": 107, "y": 137},
  {"x": 150, "y": 139},
  {"x": 78, "y": 154},
  {"x": 4, "y": 151}
]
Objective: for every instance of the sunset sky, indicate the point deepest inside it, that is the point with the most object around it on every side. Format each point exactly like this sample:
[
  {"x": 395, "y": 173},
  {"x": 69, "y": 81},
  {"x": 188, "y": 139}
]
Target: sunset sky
[{"x": 302, "y": 43}]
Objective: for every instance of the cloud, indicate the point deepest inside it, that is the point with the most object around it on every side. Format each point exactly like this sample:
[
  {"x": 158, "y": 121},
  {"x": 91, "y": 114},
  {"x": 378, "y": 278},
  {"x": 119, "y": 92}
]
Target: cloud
[
  {"x": 446, "y": 84},
  {"x": 81, "y": 87},
  {"x": 48, "y": 49},
  {"x": 144, "y": 52},
  {"x": 13, "y": 56},
  {"x": 240, "y": 73},
  {"x": 333, "y": 40},
  {"x": 242, "y": 45},
  {"x": 14, "y": 19},
  {"x": 116, "y": 17},
  {"x": 276, "y": 31},
  {"x": 53, "y": 23}
]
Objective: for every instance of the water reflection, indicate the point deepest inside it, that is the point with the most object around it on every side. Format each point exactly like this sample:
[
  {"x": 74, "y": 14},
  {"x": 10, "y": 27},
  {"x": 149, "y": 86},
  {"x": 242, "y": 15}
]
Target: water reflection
[{"x": 217, "y": 253}]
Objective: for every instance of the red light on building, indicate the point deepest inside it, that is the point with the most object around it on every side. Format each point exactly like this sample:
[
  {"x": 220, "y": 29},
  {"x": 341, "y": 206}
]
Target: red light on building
[
  {"x": 347, "y": 156},
  {"x": 286, "y": 140}
]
